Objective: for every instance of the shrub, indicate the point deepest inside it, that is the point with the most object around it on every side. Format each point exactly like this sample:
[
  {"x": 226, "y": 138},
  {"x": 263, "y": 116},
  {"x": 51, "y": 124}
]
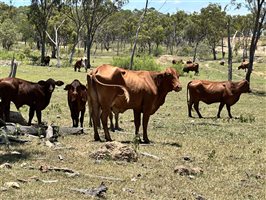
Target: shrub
[
  {"x": 140, "y": 63},
  {"x": 247, "y": 119},
  {"x": 157, "y": 52}
]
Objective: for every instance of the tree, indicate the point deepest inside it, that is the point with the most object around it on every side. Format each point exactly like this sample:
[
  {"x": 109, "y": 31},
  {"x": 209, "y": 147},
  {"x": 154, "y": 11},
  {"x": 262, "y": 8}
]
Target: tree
[
  {"x": 213, "y": 21},
  {"x": 95, "y": 12},
  {"x": 8, "y": 33},
  {"x": 39, "y": 15},
  {"x": 258, "y": 9}
]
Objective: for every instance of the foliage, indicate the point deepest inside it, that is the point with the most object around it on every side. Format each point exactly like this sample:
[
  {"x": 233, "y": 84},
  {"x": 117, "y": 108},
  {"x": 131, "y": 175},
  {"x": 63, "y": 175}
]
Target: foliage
[
  {"x": 140, "y": 63},
  {"x": 8, "y": 33}
]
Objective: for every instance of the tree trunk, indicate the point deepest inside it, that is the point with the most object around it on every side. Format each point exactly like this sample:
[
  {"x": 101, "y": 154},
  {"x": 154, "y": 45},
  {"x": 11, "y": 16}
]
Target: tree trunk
[
  {"x": 195, "y": 51},
  {"x": 229, "y": 51},
  {"x": 214, "y": 53},
  {"x": 43, "y": 41},
  {"x": 223, "y": 53}
]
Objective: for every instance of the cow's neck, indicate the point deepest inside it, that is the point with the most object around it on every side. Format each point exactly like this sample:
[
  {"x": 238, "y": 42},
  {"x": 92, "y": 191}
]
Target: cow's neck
[{"x": 160, "y": 97}]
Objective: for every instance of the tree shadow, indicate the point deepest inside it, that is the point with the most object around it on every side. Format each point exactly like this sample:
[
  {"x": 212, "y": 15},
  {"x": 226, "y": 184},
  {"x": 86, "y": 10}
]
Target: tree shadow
[{"x": 258, "y": 93}]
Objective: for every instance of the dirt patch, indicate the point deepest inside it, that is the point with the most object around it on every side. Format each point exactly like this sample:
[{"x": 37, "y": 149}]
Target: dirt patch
[{"x": 115, "y": 151}]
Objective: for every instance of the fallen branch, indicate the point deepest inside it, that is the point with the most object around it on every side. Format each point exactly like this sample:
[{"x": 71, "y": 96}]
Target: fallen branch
[
  {"x": 99, "y": 191},
  {"x": 105, "y": 177},
  {"x": 45, "y": 168},
  {"x": 150, "y": 155}
]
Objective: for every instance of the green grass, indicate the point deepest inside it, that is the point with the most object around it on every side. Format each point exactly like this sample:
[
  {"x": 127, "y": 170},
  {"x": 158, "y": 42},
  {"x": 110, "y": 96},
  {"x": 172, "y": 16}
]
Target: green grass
[{"x": 231, "y": 152}]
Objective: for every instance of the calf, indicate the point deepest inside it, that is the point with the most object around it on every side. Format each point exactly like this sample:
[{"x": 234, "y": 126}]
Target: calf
[
  {"x": 46, "y": 61},
  {"x": 77, "y": 98},
  {"x": 191, "y": 67},
  {"x": 80, "y": 63},
  {"x": 225, "y": 92},
  {"x": 244, "y": 65},
  {"x": 21, "y": 92}
]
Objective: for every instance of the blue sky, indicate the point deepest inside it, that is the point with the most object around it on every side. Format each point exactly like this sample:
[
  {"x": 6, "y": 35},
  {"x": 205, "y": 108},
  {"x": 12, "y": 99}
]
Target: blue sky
[{"x": 164, "y": 6}]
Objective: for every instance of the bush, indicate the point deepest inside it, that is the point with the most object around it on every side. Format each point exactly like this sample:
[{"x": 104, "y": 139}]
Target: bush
[
  {"x": 158, "y": 52},
  {"x": 179, "y": 68},
  {"x": 140, "y": 63}
]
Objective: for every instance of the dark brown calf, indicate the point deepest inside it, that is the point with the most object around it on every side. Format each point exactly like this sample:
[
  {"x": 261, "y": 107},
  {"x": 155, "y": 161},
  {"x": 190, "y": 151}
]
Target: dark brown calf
[
  {"x": 46, "y": 61},
  {"x": 225, "y": 92},
  {"x": 191, "y": 67},
  {"x": 77, "y": 98},
  {"x": 80, "y": 63},
  {"x": 244, "y": 65},
  {"x": 21, "y": 92}
]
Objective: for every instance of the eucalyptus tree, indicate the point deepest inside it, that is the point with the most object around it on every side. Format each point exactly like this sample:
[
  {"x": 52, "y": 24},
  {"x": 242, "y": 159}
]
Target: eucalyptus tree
[
  {"x": 39, "y": 15},
  {"x": 8, "y": 33},
  {"x": 258, "y": 10},
  {"x": 213, "y": 21},
  {"x": 95, "y": 12},
  {"x": 72, "y": 10}
]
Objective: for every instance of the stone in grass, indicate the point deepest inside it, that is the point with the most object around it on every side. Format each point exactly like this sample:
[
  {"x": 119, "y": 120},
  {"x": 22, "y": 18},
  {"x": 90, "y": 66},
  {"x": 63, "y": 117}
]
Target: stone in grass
[
  {"x": 12, "y": 185},
  {"x": 188, "y": 171},
  {"x": 115, "y": 151}
]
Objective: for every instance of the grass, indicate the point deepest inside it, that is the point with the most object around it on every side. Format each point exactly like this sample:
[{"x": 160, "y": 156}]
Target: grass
[{"x": 231, "y": 152}]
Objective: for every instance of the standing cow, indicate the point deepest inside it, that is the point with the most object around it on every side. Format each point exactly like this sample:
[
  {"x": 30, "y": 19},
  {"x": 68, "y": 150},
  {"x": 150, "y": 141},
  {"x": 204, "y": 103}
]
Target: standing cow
[
  {"x": 191, "y": 67},
  {"x": 116, "y": 89},
  {"x": 225, "y": 92},
  {"x": 80, "y": 63},
  {"x": 244, "y": 65},
  {"x": 77, "y": 98},
  {"x": 21, "y": 92}
]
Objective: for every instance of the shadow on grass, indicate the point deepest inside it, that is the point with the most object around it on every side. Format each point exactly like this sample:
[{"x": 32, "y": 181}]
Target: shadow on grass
[
  {"x": 173, "y": 144},
  {"x": 17, "y": 155},
  {"x": 259, "y": 93}
]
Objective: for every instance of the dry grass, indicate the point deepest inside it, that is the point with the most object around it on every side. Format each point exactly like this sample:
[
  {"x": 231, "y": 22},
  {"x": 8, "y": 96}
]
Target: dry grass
[{"x": 231, "y": 152}]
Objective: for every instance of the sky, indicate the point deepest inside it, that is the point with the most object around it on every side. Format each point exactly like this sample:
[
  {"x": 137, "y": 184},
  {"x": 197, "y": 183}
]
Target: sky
[{"x": 164, "y": 6}]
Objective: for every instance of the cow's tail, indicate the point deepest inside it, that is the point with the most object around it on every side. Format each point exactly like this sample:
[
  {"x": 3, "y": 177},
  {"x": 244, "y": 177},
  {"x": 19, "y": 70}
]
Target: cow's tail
[
  {"x": 126, "y": 93},
  {"x": 188, "y": 92}
]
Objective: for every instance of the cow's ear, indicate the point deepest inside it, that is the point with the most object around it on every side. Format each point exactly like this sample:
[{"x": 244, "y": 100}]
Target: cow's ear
[
  {"x": 59, "y": 83},
  {"x": 41, "y": 82},
  {"x": 159, "y": 79},
  {"x": 67, "y": 87},
  {"x": 83, "y": 87}
]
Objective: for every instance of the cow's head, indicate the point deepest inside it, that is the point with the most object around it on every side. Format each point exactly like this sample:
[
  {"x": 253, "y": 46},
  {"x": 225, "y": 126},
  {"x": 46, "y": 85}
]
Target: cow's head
[
  {"x": 169, "y": 80},
  {"x": 75, "y": 90},
  {"x": 50, "y": 84},
  {"x": 244, "y": 86},
  {"x": 185, "y": 69}
]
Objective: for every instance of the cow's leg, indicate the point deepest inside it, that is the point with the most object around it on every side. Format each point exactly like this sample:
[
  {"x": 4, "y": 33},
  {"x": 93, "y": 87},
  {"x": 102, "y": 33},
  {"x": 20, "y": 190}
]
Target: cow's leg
[
  {"x": 95, "y": 119},
  {"x": 145, "y": 122},
  {"x": 39, "y": 116},
  {"x": 104, "y": 117},
  {"x": 189, "y": 105},
  {"x": 31, "y": 114},
  {"x": 196, "y": 106},
  {"x": 220, "y": 109},
  {"x": 6, "y": 110},
  {"x": 116, "y": 122},
  {"x": 75, "y": 118},
  {"x": 82, "y": 117},
  {"x": 111, "y": 122},
  {"x": 229, "y": 110},
  {"x": 137, "y": 121}
]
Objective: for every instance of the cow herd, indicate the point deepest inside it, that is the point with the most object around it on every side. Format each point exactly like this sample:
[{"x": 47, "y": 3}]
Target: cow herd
[{"x": 113, "y": 90}]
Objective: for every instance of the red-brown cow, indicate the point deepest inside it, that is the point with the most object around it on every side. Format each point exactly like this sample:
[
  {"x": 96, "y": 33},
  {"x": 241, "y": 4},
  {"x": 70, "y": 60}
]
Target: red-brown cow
[
  {"x": 191, "y": 67},
  {"x": 244, "y": 65},
  {"x": 21, "y": 92},
  {"x": 117, "y": 89},
  {"x": 77, "y": 98},
  {"x": 80, "y": 63},
  {"x": 225, "y": 92}
]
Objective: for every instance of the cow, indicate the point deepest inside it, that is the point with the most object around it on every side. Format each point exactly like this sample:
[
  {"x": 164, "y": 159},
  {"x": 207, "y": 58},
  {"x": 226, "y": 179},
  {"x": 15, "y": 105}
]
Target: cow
[
  {"x": 46, "y": 60},
  {"x": 225, "y": 92},
  {"x": 21, "y": 92},
  {"x": 116, "y": 89},
  {"x": 222, "y": 62},
  {"x": 191, "y": 67},
  {"x": 80, "y": 63},
  {"x": 77, "y": 98},
  {"x": 244, "y": 65}
]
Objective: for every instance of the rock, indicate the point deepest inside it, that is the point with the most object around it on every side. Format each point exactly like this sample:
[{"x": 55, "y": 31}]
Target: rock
[
  {"x": 188, "y": 171},
  {"x": 12, "y": 184},
  {"x": 115, "y": 151},
  {"x": 6, "y": 165}
]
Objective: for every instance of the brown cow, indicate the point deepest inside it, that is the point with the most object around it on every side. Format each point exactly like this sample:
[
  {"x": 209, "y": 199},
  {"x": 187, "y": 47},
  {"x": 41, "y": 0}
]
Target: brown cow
[
  {"x": 77, "y": 98},
  {"x": 225, "y": 92},
  {"x": 21, "y": 92},
  {"x": 244, "y": 65},
  {"x": 191, "y": 67},
  {"x": 117, "y": 89},
  {"x": 80, "y": 63}
]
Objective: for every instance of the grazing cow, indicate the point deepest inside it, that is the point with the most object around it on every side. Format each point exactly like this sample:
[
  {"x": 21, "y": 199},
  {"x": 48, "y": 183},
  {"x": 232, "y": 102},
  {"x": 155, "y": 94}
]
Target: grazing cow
[
  {"x": 77, "y": 98},
  {"x": 222, "y": 62},
  {"x": 21, "y": 92},
  {"x": 116, "y": 89},
  {"x": 244, "y": 65},
  {"x": 80, "y": 63},
  {"x": 46, "y": 60},
  {"x": 191, "y": 67},
  {"x": 225, "y": 92}
]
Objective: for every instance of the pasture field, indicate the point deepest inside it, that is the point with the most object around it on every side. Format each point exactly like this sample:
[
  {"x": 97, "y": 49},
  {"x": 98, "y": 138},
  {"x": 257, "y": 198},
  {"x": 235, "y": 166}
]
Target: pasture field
[{"x": 231, "y": 152}]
